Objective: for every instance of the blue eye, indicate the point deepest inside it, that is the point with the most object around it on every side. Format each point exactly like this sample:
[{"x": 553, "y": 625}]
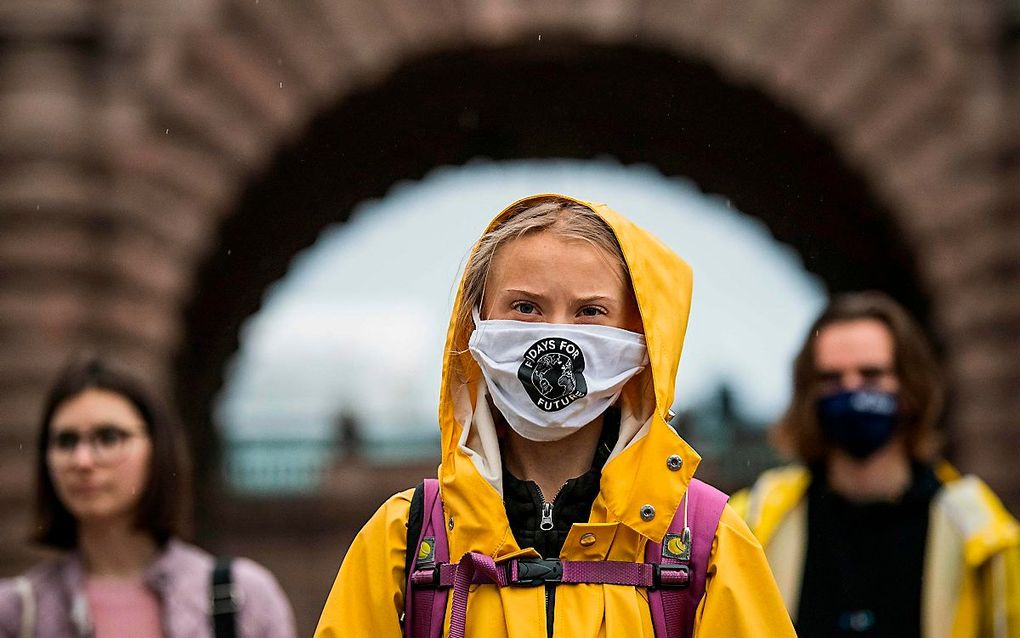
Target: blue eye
[
  {"x": 524, "y": 307},
  {"x": 591, "y": 311}
]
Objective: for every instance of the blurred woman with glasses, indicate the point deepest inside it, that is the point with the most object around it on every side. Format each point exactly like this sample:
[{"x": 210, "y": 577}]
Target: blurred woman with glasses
[{"x": 113, "y": 486}]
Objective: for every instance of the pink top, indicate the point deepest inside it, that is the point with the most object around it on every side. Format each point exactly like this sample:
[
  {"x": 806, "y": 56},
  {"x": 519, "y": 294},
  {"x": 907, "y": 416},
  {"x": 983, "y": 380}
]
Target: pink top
[
  {"x": 122, "y": 607},
  {"x": 179, "y": 579}
]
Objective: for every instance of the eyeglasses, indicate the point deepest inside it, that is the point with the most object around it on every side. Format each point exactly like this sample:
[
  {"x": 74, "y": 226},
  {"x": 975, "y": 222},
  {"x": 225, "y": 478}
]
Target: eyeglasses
[
  {"x": 866, "y": 376},
  {"x": 107, "y": 444}
]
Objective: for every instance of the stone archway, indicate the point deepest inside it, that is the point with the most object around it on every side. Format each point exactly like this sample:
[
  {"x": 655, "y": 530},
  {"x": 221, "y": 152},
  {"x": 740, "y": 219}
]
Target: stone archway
[
  {"x": 565, "y": 100},
  {"x": 896, "y": 90}
]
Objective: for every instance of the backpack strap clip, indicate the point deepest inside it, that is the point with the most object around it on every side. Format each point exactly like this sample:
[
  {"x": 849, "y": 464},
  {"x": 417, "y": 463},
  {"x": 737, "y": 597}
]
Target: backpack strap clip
[
  {"x": 666, "y": 576},
  {"x": 224, "y": 599},
  {"x": 533, "y": 572},
  {"x": 425, "y": 576}
]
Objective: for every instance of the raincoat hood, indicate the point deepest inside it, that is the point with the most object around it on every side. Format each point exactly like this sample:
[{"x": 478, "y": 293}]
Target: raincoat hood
[{"x": 637, "y": 473}]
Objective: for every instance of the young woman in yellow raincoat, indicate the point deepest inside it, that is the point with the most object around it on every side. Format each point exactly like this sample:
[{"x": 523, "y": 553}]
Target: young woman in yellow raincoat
[
  {"x": 868, "y": 535},
  {"x": 596, "y": 481}
]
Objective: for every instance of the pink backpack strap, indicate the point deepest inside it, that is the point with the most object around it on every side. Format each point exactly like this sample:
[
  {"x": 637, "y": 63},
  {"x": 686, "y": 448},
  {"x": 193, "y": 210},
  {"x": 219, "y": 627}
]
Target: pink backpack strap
[
  {"x": 686, "y": 547},
  {"x": 674, "y": 571},
  {"x": 425, "y": 607}
]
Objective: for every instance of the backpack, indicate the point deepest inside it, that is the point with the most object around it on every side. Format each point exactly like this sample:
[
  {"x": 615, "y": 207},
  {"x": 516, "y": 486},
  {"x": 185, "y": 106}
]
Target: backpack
[
  {"x": 222, "y": 598},
  {"x": 674, "y": 571}
]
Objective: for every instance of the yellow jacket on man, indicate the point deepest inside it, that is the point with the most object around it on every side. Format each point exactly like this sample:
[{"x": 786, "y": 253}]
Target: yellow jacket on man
[
  {"x": 971, "y": 579},
  {"x": 741, "y": 598}
]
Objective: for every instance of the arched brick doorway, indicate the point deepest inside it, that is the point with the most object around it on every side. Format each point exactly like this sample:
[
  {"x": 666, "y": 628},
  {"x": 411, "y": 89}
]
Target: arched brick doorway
[{"x": 571, "y": 100}]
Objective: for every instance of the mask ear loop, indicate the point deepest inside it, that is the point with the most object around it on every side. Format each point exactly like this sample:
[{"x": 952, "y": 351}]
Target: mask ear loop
[{"x": 477, "y": 320}]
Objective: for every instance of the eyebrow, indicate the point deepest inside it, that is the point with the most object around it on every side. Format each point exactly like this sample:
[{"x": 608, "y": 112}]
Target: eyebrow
[
  {"x": 541, "y": 297},
  {"x": 526, "y": 293},
  {"x": 594, "y": 298},
  {"x": 864, "y": 370},
  {"x": 57, "y": 428}
]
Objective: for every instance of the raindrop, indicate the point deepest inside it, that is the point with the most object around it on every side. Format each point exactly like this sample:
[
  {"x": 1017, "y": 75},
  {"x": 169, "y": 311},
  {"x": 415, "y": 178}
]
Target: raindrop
[
  {"x": 167, "y": 132},
  {"x": 539, "y": 37},
  {"x": 281, "y": 85},
  {"x": 228, "y": 252}
]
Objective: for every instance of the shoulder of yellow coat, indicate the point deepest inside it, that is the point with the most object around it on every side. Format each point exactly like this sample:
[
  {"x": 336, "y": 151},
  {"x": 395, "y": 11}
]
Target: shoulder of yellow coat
[
  {"x": 396, "y": 510},
  {"x": 774, "y": 495},
  {"x": 945, "y": 472},
  {"x": 734, "y": 523},
  {"x": 384, "y": 536},
  {"x": 369, "y": 588},
  {"x": 985, "y": 525},
  {"x": 741, "y": 501}
]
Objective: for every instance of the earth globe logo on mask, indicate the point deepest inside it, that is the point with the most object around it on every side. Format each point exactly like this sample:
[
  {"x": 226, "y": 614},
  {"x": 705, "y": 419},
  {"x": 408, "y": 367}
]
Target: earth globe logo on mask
[{"x": 552, "y": 373}]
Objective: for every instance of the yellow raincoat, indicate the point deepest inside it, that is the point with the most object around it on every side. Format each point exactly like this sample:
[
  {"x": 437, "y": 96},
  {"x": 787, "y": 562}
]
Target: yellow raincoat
[
  {"x": 971, "y": 579},
  {"x": 741, "y": 597}
]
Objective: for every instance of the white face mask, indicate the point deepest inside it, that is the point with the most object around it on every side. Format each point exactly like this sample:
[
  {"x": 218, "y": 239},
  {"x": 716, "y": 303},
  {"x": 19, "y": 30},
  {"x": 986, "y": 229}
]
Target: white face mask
[{"x": 550, "y": 379}]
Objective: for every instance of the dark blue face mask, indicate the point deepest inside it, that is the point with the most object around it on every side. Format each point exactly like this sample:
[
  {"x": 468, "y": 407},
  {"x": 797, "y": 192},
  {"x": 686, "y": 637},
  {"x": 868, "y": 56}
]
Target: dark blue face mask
[{"x": 859, "y": 422}]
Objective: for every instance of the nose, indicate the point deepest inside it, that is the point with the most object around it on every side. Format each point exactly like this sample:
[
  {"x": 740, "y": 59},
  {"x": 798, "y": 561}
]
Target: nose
[
  {"x": 852, "y": 380},
  {"x": 82, "y": 455},
  {"x": 560, "y": 316}
]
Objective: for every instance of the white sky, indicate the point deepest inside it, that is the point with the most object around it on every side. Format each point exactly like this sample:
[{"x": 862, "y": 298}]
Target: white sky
[{"x": 360, "y": 319}]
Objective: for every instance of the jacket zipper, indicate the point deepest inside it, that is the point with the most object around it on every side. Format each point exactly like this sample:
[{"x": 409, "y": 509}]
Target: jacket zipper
[
  {"x": 545, "y": 525},
  {"x": 547, "y": 522}
]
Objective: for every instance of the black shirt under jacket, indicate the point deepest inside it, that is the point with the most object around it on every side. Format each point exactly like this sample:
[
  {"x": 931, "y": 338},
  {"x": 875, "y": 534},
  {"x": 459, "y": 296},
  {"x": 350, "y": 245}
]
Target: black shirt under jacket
[
  {"x": 864, "y": 561},
  {"x": 572, "y": 504}
]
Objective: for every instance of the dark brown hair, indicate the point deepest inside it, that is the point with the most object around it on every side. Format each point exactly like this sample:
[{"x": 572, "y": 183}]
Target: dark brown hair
[
  {"x": 921, "y": 394},
  {"x": 164, "y": 509}
]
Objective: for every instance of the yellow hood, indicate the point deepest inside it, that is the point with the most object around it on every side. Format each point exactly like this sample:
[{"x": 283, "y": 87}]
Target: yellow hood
[{"x": 637, "y": 473}]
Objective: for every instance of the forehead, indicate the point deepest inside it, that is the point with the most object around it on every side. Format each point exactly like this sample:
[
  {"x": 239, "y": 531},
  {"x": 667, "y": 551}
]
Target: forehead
[
  {"x": 549, "y": 257},
  {"x": 93, "y": 407},
  {"x": 859, "y": 342}
]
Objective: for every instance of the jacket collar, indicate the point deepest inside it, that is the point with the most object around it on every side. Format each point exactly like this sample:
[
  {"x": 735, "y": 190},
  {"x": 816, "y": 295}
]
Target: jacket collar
[{"x": 639, "y": 476}]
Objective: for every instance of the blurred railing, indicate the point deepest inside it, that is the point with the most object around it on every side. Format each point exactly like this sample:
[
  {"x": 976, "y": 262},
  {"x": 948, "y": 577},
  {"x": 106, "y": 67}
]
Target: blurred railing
[
  {"x": 277, "y": 465},
  {"x": 281, "y": 466}
]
